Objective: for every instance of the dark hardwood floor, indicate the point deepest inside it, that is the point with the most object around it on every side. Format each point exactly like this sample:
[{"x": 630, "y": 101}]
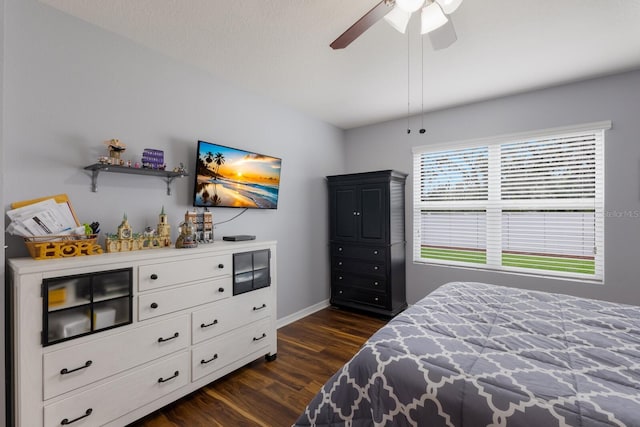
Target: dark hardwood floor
[{"x": 275, "y": 393}]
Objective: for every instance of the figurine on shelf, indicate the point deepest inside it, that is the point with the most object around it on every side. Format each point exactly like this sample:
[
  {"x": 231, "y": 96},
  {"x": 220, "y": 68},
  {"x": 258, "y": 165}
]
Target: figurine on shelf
[
  {"x": 149, "y": 238},
  {"x": 93, "y": 228},
  {"x": 124, "y": 239},
  {"x": 180, "y": 169},
  {"x": 164, "y": 230},
  {"x": 115, "y": 148},
  {"x": 203, "y": 225},
  {"x": 187, "y": 237},
  {"x": 152, "y": 158}
]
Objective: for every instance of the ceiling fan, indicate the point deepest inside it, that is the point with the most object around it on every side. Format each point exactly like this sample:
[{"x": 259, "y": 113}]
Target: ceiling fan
[{"x": 397, "y": 13}]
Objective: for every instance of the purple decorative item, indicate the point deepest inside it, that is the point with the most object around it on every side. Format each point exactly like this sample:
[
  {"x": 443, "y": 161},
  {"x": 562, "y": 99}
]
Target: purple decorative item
[{"x": 152, "y": 159}]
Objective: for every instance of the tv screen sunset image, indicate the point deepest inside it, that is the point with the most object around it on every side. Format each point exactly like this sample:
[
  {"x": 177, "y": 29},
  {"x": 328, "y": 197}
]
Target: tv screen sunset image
[{"x": 229, "y": 177}]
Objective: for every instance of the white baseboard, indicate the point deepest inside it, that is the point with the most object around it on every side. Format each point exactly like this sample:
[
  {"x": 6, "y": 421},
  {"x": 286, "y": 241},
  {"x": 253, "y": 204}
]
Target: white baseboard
[{"x": 302, "y": 313}]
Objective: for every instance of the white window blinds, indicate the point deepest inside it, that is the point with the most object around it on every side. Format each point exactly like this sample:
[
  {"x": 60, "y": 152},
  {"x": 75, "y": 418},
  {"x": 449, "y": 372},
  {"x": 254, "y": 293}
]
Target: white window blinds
[
  {"x": 527, "y": 203},
  {"x": 454, "y": 175}
]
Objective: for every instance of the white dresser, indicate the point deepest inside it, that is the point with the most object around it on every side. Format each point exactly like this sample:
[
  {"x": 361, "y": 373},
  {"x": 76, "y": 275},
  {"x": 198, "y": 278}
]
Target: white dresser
[{"x": 180, "y": 327}]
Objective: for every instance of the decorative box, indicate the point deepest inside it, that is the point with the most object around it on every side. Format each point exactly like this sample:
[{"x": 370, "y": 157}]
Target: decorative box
[{"x": 152, "y": 158}]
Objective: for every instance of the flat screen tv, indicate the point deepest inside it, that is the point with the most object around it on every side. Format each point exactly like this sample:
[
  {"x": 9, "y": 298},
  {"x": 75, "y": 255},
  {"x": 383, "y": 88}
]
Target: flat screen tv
[{"x": 235, "y": 178}]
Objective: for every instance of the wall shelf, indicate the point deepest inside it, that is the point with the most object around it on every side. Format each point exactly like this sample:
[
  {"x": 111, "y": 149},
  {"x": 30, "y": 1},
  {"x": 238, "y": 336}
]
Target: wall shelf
[{"x": 96, "y": 168}]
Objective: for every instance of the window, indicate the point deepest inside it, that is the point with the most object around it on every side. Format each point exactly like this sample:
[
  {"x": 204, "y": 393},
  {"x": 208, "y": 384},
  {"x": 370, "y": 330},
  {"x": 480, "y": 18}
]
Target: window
[{"x": 530, "y": 203}]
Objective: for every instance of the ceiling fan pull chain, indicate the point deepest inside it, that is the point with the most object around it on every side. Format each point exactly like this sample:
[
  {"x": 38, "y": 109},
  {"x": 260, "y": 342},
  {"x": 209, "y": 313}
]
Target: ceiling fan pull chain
[
  {"x": 422, "y": 130},
  {"x": 408, "y": 84}
]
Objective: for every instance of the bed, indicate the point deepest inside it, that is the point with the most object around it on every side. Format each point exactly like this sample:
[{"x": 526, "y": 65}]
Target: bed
[{"x": 474, "y": 354}]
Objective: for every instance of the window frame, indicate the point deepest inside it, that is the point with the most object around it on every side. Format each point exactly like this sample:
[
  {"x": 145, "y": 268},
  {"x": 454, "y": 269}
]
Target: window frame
[{"x": 494, "y": 250}]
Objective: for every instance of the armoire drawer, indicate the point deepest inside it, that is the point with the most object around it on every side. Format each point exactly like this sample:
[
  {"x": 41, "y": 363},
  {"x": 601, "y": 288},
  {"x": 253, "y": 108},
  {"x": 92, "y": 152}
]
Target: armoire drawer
[
  {"x": 372, "y": 253},
  {"x": 359, "y": 296},
  {"x": 102, "y": 404},
  {"x": 153, "y": 304},
  {"x": 219, "y": 352},
  {"x": 153, "y": 276},
  {"x": 73, "y": 367},
  {"x": 223, "y": 316},
  {"x": 375, "y": 284},
  {"x": 375, "y": 268}
]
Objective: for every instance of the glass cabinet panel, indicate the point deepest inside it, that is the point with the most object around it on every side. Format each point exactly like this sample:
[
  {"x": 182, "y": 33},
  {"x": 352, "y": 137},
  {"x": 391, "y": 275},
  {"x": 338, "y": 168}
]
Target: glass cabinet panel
[
  {"x": 251, "y": 271},
  {"x": 112, "y": 285},
  {"x": 82, "y": 304}
]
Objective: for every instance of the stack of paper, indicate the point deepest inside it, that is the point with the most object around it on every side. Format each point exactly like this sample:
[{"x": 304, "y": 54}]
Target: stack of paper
[{"x": 42, "y": 219}]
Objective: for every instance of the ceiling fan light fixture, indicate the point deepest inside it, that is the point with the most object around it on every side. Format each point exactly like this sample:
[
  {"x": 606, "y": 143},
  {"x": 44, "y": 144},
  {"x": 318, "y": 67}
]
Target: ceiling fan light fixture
[
  {"x": 449, "y": 6},
  {"x": 432, "y": 18},
  {"x": 409, "y": 6},
  {"x": 398, "y": 19}
]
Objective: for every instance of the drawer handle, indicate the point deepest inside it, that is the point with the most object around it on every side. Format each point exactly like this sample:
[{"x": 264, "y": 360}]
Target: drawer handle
[
  {"x": 339, "y": 277},
  {"x": 375, "y": 267},
  {"x": 176, "y": 335},
  {"x": 154, "y": 305},
  {"x": 154, "y": 276},
  {"x": 376, "y": 283},
  {"x": 375, "y": 252},
  {"x": 220, "y": 266},
  {"x": 260, "y": 308},
  {"x": 164, "y": 380},
  {"x": 339, "y": 249},
  {"x": 206, "y": 325},
  {"x": 66, "y": 421},
  {"x": 66, "y": 371},
  {"x": 339, "y": 262},
  {"x": 204, "y": 362},
  {"x": 221, "y": 289},
  {"x": 263, "y": 336}
]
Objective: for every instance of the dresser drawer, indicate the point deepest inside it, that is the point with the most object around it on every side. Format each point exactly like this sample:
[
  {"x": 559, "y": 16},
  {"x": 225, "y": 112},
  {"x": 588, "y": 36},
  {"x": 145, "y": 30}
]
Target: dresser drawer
[
  {"x": 372, "y": 253},
  {"x": 359, "y": 296},
  {"x": 153, "y": 276},
  {"x": 375, "y": 284},
  {"x": 212, "y": 355},
  {"x": 67, "y": 369},
  {"x": 99, "y": 405},
  {"x": 154, "y": 304},
  {"x": 223, "y": 316},
  {"x": 350, "y": 265}
]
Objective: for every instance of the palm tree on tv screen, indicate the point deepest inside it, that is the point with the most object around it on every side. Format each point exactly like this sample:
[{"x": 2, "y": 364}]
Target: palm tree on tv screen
[{"x": 218, "y": 159}]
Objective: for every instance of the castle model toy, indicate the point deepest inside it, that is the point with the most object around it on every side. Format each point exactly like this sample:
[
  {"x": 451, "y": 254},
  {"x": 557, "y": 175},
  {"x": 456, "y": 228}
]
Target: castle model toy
[
  {"x": 125, "y": 239},
  {"x": 203, "y": 224}
]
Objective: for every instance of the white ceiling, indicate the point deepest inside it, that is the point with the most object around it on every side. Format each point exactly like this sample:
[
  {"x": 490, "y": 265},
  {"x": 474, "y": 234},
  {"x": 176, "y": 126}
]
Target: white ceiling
[{"x": 280, "y": 49}]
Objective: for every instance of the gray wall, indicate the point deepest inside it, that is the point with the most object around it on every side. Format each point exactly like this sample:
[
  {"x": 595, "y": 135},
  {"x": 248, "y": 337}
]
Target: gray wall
[
  {"x": 69, "y": 86},
  {"x": 615, "y": 98},
  {"x": 2, "y": 324}
]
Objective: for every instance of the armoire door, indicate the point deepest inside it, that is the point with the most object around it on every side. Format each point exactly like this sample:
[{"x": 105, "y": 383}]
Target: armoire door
[
  {"x": 372, "y": 214},
  {"x": 344, "y": 213}
]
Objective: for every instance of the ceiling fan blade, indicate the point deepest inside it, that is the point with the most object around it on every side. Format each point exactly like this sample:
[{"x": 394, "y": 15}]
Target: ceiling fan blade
[
  {"x": 444, "y": 36},
  {"x": 362, "y": 24}
]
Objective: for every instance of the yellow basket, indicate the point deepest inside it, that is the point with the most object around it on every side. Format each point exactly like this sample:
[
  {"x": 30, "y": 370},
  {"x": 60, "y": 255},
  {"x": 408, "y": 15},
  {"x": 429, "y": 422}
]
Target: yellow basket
[{"x": 48, "y": 247}]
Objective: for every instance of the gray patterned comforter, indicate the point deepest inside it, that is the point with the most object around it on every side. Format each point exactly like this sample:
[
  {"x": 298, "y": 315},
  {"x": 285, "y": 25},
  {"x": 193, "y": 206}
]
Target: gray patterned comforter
[{"x": 472, "y": 354}]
